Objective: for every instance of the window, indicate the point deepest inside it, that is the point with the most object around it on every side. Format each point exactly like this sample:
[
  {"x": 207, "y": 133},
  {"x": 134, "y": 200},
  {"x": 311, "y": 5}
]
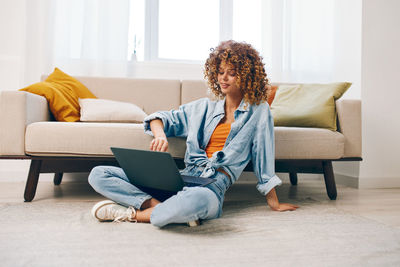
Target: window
[
  {"x": 298, "y": 39},
  {"x": 187, "y": 29},
  {"x": 247, "y": 24},
  {"x": 136, "y": 30}
]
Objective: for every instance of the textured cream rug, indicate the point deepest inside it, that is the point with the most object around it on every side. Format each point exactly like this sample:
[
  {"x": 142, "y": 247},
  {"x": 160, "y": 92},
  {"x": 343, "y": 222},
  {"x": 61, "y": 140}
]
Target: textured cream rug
[{"x": 62, "y": 233}]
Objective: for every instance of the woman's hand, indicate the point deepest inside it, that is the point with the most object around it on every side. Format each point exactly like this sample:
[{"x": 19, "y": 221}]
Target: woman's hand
[
  {"x": 273, "y": 202},
  {"x": 159, "y": 144},
  {"x": 283, "y": 207}
]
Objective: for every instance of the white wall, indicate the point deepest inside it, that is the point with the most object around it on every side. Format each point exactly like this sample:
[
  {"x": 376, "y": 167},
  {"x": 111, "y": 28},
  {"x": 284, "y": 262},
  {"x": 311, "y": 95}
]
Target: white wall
[
  {"x": 12, "y": 43},
  {"x": 380, "y": 94},
  {"x": 348, "y": 45}
]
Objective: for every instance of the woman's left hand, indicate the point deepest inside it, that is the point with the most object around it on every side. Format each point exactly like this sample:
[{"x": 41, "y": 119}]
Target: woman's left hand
[
  {"x": 284, "y": 207},
  {"x": 273, "y": 202}
]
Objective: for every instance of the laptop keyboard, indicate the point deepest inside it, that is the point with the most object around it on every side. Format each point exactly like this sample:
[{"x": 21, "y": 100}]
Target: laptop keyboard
[
  {"x": 191, "y": 184},
  {"x": 191, "y": 181}
]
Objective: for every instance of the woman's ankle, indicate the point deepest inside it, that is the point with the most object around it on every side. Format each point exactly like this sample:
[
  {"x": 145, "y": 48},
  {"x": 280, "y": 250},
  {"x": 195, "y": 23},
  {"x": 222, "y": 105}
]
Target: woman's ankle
[
  {"x": 143, "y": 216},
  {"x": 150, "y": 203}
]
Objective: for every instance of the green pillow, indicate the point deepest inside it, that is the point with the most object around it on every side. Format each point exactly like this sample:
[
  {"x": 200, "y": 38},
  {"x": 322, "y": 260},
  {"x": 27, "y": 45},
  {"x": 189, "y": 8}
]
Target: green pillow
[{"x": 307, "y": 105}]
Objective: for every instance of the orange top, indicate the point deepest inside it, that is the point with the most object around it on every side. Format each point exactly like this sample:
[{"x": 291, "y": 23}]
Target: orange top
[{"x": 218, "y": 138}]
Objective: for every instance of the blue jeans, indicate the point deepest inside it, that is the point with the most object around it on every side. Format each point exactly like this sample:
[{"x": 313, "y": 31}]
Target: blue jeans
[{"x": 192, "y": 203}]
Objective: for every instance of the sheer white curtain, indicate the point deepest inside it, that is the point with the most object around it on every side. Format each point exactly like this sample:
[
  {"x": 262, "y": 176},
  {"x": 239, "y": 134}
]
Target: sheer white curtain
[
  {"x": 301, "y": 47},
  {"x": 304, "y": 40},
  {"x": 300, "y": 40},
  {"x": 82, "y": 37}
]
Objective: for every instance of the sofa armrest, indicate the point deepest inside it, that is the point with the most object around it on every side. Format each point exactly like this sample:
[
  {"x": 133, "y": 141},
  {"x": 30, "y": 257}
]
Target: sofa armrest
[
  {"x": 349, "y": 124},
  {"x": 17, "y": 110}
]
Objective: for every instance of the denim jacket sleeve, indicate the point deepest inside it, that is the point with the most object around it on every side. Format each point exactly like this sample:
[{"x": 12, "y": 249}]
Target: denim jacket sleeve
[
  {"x": 175, "y": 121},
  {"x": 263, "y": 153}
]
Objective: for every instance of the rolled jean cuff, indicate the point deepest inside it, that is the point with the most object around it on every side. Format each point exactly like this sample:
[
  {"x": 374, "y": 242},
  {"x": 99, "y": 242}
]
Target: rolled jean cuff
[
  {"x": 268, "y": 186},
  {"x": 140, "y": 201}
]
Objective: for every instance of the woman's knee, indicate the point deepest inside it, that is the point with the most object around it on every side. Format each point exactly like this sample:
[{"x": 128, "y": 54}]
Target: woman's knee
[
  {"x": 202, "y": 200},
  {"x": 201, "y": 195},
  {"x": 96, "y": 175},
  {"x": 190, "y": 204}
]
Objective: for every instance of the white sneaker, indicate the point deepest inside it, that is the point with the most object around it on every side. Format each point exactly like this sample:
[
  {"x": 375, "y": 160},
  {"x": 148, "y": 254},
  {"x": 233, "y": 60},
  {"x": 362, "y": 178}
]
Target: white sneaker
[
  {"x": 108, "y": 210},
  {"x": 194, "y": 223}
]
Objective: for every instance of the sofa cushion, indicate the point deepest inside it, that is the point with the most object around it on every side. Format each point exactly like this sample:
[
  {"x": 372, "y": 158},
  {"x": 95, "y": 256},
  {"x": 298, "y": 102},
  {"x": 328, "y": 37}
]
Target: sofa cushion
[
  {"x": 105, "y": 110},
  {"x": 307, "y": 105},
  {"x": 308, "y": 143},
  {"x": 271, "y": 94},
  {"x": 89, "y": 139},
  {"x": 95, "y": 139},
  {"x": 61, "y": 78},
  {"x": 62, "y": 92}
]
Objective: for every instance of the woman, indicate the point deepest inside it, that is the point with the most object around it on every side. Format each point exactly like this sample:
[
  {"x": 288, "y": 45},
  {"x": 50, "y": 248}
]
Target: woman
[{"x": 221, "y": 138}]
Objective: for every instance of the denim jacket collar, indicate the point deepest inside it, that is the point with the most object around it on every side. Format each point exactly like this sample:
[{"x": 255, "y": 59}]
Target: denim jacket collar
[
  {"x": 241, "y": 106},
  {"x": 220, "y": 107}
]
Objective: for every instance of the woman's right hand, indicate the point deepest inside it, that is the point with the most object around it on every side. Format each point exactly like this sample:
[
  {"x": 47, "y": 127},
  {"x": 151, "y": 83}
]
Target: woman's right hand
[{"x": 159, "y": 144}]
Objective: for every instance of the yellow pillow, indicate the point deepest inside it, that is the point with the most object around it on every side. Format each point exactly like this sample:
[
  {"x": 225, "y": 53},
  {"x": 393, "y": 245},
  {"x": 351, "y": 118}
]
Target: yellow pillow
[
  {"x": 67, "y": 81},
  {"x": 307, "y": 105},
  {"x": 62, "y": 93}
]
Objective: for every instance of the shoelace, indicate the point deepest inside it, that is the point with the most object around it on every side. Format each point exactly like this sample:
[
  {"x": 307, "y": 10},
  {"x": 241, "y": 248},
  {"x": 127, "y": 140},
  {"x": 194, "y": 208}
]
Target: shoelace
[{"x": 129, "y": 214}]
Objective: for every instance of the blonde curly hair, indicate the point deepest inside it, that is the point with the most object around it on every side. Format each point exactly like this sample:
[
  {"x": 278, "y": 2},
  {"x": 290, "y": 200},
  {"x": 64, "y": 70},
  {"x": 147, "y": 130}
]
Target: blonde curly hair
[{"x": 251, "y": 77}]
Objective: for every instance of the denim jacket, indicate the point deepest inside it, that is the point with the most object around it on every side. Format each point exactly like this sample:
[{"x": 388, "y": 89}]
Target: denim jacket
[{"x": 251, "y": 138}]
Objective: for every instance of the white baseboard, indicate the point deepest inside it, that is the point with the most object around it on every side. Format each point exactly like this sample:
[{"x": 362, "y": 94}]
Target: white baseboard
[
  {"x": 340, "y": 179},
  {"x": 379, "y": 182},
  {"x": 21, "y": 176},
  {"x": 346, "y": 180},
  {"x": 17, "y": 171},
  {"x": 367, "y": 182},
  {"x": 14, "y": 170}
]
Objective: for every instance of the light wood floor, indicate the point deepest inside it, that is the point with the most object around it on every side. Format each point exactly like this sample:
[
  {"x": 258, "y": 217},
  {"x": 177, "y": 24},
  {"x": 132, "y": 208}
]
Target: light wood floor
[{"x": 382, "y": 205}]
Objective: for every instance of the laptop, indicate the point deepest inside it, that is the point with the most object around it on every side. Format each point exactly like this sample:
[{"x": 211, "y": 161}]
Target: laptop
[{"x": 155, "y": 172}]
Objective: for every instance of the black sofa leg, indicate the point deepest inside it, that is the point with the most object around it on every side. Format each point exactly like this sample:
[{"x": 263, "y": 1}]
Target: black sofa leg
[
  {"x": 32, "y": 181},
  {"x": 293, "y": 178},
  {"x": 58, "y": 178},
  {"x": 329, "y": 179}
]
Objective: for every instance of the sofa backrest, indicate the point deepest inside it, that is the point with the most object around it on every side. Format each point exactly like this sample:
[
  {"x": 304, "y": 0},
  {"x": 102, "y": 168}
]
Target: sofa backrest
[
  {"x": 150, "y": 94},
  {"x": 193, "y": 89}
]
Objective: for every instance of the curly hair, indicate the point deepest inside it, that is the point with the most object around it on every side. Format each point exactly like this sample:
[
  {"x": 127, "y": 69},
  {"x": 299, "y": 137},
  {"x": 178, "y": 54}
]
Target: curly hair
[{"x": 251, "y": 77}]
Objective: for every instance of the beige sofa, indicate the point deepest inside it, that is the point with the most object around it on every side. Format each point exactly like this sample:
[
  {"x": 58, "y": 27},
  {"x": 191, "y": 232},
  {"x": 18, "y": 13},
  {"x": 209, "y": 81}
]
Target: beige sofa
[{"x": 28, "y": 132}]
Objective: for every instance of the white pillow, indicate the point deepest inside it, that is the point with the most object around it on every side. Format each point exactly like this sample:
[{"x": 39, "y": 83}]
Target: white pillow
[{"x": 104, "y": 110}]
